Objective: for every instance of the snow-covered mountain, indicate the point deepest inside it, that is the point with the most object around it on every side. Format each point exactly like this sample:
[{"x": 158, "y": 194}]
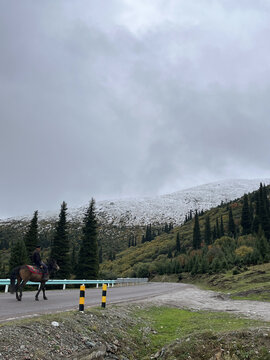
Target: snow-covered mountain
[
  {"x": 165, "y": 208},
  {"x": 173, "y": 207}
]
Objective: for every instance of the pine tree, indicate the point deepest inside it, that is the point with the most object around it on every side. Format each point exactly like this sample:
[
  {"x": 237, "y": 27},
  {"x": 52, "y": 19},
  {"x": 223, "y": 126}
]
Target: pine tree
[
  {"x": 3, "y": 272},
  {"x": 111, "y": 255},
  {"x": 267, "y": 202},
  {"x": 178, "y": 245},
  {"x": 100, "y": 256},
  {"x": 217, "y": 229},
  {"x": 251, "y": 214},
  {"x": 214, "y": 233},
  {"x": 216, "y": 265},
  {"x": 31, "y": 237},
  {"x": 207, "y": 231},
  {"x": 148, "y": 234},
  {"x": 262, "y": 245},
  {"x": 203, "y": 266},
  {"x": 231, "y": 225},
  {"x": 195, "y": 267},
  {"x": 73, "y": 260},
  {"x": 255, "y": 224},
  {"x": 18, "y": 255},
  {"x": 221, "y": 227},
  {"x": 245, "y": 219},
  {"x": 196, "y": 233},
  {"x": 88, "y": 256},
  {"x": 60, "y": 250},
  {"x": 264, "y": 211}
]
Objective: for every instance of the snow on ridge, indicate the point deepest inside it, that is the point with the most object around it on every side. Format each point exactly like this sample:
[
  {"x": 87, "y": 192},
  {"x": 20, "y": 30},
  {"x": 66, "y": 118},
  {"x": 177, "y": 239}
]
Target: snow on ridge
[
  {"x": 164, "y": 208},
  {"x": 173, "y": 207}
]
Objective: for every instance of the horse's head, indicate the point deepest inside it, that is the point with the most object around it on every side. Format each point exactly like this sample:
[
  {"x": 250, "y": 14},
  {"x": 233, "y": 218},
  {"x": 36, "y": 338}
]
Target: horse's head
[{"x": 52, "y": 265}]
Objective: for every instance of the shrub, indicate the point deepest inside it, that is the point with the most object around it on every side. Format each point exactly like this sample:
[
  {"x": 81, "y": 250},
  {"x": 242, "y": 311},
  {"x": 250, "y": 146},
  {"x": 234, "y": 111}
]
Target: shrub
[{"x": 243, "y": 251}]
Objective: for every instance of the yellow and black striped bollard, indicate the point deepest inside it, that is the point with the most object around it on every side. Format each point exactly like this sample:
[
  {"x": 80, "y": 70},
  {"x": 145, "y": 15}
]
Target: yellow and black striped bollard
[
  {"x": 82, "y": 297},
  {"x": 104, "y": 292}
]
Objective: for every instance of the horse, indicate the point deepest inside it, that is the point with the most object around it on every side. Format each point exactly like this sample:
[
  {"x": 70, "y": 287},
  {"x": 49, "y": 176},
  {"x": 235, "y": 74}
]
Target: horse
[{"x": 26, "y": 273}]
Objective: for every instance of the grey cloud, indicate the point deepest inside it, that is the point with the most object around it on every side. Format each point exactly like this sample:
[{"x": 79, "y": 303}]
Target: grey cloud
[{"x": 91, "y": 107}]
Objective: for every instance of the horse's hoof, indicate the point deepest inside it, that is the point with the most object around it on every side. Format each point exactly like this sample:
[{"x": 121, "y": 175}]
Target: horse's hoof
[
  {"x": 36, "y": 299},
  {"x": 45, "y": 298},
  {"x": 19, "y": 299}
]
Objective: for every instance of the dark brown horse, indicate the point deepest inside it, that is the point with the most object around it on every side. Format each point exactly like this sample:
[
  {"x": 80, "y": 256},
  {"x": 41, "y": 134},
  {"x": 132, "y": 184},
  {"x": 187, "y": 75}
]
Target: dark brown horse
[{"x": 26, "y": 273}]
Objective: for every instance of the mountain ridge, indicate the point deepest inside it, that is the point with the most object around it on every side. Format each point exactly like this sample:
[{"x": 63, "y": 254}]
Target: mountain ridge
[{"x": 163, "y": 208}]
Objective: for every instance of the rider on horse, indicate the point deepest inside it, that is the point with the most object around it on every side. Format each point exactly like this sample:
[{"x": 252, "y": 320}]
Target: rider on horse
[{"x": 37, "y": 261}]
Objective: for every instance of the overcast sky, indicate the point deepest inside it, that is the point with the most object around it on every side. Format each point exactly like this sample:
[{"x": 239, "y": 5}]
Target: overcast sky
[{"x": 116, "y": 98}]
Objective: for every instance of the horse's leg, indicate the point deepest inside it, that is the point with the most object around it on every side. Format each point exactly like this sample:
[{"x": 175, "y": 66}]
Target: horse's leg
[
  {"x": 17, "y": 288},
  {"x": 22, "y": 279},
  {"x": 20, "y": 288},
  {"x": 39, "y": 289},
  {"x": 43, "y": 289}
]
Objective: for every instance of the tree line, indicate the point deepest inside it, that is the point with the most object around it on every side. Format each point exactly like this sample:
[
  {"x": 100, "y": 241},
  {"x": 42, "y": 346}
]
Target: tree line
[
  {"x": 216, "y": 245},
  {"x": 215, "y": 249},
  {"x": 83, "y": 266}
]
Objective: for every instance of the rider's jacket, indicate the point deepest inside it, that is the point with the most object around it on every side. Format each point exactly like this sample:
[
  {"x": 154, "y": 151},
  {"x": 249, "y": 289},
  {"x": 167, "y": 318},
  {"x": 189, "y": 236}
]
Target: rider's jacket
[{"x": 37, "y": 259}]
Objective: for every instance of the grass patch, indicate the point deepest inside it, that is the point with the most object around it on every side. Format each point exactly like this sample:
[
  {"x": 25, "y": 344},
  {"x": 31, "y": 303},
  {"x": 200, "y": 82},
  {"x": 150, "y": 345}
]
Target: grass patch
[
  {"x": 250, "y": 284},
  {"x": 164, "y": 325}
]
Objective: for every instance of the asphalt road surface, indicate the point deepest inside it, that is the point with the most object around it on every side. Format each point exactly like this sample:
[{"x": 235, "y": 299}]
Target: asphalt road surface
[
  {"x": 61, "y": 300},
  {"x": 172, "y": 294}
]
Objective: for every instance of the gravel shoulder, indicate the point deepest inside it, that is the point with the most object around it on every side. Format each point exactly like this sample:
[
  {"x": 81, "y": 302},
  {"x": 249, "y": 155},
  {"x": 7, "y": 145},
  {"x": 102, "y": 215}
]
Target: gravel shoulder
[{"x": 191, "y": 297}]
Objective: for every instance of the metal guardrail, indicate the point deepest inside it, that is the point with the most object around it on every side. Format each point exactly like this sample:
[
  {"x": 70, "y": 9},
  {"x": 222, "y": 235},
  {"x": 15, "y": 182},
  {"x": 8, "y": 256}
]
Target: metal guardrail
[{"x": 119, "y": 281}]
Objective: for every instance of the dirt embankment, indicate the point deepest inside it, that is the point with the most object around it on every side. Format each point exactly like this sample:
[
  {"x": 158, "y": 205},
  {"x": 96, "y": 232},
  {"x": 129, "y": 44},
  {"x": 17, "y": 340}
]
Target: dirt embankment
[
  {"x": 105, "y": 334},
  {"x": 95, "y": 334}
]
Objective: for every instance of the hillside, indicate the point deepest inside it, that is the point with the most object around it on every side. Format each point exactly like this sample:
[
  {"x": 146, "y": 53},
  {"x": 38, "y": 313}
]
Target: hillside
[
  {"x": 221, "y": 252},
  {"x": 124, "y": 220},
  {"x": 173, "y": 207},
  {"x": 160, "y": 209}
]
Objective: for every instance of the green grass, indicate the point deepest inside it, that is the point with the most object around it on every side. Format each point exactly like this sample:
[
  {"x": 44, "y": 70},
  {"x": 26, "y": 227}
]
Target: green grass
[
  {"x": 252, "y": 284},
  {"x": 166, "y": 325}
]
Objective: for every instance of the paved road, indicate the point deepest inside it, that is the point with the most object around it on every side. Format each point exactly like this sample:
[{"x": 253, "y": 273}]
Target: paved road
[
  {"x": 60, "y": 300},
  {"x": 178, "y": 295}
]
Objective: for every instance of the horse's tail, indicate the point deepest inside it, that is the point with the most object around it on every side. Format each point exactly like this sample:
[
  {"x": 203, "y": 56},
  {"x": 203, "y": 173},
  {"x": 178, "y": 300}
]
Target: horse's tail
[{"x": 13, "y": 276}]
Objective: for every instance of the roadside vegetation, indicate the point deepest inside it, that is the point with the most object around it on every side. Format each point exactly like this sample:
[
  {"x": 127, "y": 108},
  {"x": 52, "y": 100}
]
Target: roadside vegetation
[
  {"x": 249, "y": 283},
  {"x": 173, "y": 333},
  {"x": 136, "y": 332}
]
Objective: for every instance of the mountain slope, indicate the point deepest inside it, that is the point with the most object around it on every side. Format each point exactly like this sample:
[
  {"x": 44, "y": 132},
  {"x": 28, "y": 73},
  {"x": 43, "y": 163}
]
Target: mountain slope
[
  {"x": 160, "y": 209},
  {"x": 224, "y": 249},
  {"x": 173, "y": 207},
  {"x": 122, "y": 221}
]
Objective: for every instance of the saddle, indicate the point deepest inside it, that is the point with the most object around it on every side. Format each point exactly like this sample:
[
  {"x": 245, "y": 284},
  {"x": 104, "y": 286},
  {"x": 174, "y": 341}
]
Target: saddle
[{"x": 35, "y": 270}]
